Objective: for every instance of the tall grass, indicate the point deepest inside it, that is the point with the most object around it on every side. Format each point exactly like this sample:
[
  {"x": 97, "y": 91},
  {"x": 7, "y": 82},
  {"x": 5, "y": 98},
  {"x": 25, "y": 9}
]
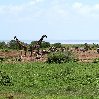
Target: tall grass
[{"x": 52, "y": 80}]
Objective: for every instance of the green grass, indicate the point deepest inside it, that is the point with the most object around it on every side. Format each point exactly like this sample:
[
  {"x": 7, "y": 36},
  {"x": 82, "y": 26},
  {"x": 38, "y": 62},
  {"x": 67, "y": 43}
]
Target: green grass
[{"x": 51, "y": 81}]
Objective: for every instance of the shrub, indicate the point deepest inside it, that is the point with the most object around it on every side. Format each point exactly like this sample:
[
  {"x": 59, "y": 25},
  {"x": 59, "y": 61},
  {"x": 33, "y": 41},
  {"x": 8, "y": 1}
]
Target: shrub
[
  {"x": 5, "y": 79},
  {"x": 96, "y": 60},
  {"x": 60, "y": 57},
  {"x": 33, "y": 42},
  {"x": 57, "y": 45},
  {"x": 12, "y": 44},
  {"x": 94, "y": 46},
  {"x": 45, "y": 44},
  {"x": 2, "y": 45},
  {"x": 2, "y": 59}
]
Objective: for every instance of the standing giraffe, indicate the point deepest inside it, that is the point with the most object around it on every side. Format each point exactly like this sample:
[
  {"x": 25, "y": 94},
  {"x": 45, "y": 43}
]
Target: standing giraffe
[
  {"x": 37, "y": 45},
  {"x": 21, "y": 45}
]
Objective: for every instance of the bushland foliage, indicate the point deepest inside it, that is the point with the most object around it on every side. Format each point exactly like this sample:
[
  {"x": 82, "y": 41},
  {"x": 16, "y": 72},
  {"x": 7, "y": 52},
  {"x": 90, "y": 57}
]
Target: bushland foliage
[
  {"x": 57, "y": 45},
  {"x": 61, "y": 57}
]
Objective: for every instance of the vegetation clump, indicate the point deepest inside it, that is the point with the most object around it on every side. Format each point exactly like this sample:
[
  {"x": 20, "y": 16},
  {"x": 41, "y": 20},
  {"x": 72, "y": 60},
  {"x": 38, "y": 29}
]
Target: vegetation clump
[
  {"x": 61, "y": 57},
  {"x": 96, "y": 60},
  {"x": 5, "y": 79},
  {"x": 57, "y": 45},
  {"x": 45, "y": 44}
]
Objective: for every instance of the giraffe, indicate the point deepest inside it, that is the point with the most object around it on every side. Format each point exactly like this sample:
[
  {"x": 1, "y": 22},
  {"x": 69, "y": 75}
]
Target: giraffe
[
  {"x": 21, "y": 45},
  {"x": 37, "y": 45}
]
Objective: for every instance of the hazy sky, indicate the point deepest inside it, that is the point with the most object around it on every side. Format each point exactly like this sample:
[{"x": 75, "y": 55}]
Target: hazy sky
[{"x": 58, "y": 19}]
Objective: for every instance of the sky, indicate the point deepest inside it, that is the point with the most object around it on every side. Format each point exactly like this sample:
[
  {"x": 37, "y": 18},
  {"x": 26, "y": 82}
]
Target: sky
[{"x": 58, "y": 19}]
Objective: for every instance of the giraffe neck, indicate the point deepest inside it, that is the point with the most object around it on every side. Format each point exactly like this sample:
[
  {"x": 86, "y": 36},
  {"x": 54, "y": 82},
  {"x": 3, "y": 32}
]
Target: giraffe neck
[
  {"x": 39, "y": 42},
  {"x": 20, "y": 43}
]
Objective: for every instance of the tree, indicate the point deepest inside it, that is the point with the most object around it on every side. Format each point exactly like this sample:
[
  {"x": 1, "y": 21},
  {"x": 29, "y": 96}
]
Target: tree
[
  {"x": 57, "y": 45},
  {"x": 12, "y": 44},
  {"x": 45, "y": 44},
  {"x": 33, "y": 42},
  {"x": 2, "y": 45}
]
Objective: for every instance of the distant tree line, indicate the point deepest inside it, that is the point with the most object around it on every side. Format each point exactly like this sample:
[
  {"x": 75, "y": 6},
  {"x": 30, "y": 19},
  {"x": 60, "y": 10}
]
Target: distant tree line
[{"x": 13, "y": 44}]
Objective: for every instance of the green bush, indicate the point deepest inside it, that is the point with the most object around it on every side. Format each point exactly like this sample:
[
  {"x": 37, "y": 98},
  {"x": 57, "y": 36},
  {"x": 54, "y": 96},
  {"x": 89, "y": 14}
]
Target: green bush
[
  {"x": 3, "y": 45},
  {"x": 94, "y": 46},
  {"x": 2, "y": 59},
  {"x": 96, "y": 60},
  {"x": 5, "y": 79},
  {"x": 60, "y": 57},
  {"x": 57, "y": 45},
  {"x": 45, "y": 44},
  {"x": 33, "y": 42},
  {"x": 12, "y": 44}
]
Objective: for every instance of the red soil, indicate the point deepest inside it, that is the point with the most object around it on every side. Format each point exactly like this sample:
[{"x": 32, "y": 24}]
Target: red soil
[{"x": 87, "y": 56}]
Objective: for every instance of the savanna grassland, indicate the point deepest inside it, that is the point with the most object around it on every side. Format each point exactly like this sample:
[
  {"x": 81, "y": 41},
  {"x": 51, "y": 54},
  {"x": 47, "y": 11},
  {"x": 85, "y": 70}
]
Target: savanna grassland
[
  {"x": 71, "y": 80},
  {"x": 68, "y": 72}
]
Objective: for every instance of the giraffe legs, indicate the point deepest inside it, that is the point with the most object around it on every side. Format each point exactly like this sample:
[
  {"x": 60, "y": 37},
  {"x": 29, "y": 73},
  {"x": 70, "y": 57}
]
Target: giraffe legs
[
  {"x": 25, "y": 53},
  {"x": 21, "y": 53},
  {"x": 31, "y": 53}
]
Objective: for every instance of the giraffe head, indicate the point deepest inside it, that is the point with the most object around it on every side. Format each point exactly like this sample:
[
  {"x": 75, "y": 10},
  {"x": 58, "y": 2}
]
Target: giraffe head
[
  {"x": 44, "y": 36},
  {"x": 14, "y": 37}
]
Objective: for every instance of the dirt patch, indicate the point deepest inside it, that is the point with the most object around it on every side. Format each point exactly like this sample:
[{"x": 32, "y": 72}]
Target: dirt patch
[
  {"x": 86, "y": 56},
  {"x": 18, "y": 56}
]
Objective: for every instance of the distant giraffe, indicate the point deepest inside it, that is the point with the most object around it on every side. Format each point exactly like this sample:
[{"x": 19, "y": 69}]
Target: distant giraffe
[
  {"x": 21, "y": 45},
  {"x": 37, "y": 45}
]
